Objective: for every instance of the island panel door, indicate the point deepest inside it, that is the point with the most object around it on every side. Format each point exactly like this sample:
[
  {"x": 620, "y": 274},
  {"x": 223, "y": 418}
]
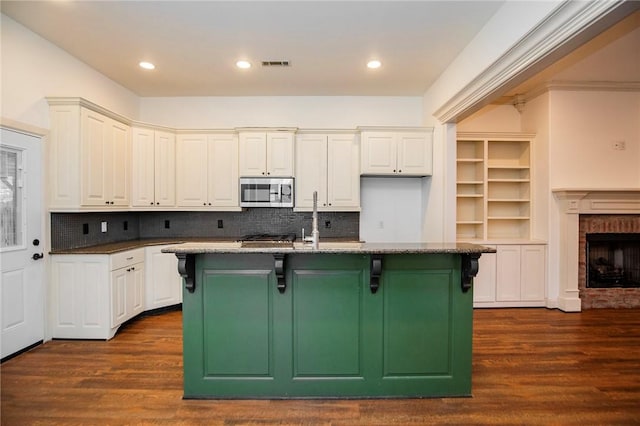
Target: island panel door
[
  {"x": 424, "y": 351},
  {"x": 332, "y": 327},
  {"x": 228, "y": 327}
]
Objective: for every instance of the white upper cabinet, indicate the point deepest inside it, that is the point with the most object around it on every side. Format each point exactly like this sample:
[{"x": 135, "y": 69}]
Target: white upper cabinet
[
  {"x": 264, "y": 153},
  {"x": 89, "y": 157},
  {"x": 330, "y": 165},
  {"x": 154, "y": 168},
  {"x": 207, "y": 171},
  {"x": 397, "y": 152}
]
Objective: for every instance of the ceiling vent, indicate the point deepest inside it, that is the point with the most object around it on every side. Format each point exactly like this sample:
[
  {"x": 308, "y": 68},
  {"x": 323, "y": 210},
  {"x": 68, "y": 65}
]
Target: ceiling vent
[{"x": 276, "y": 63}]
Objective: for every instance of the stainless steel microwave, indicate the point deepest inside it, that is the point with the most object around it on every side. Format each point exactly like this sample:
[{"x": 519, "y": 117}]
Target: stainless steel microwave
[{"x": 266, "y": 192}]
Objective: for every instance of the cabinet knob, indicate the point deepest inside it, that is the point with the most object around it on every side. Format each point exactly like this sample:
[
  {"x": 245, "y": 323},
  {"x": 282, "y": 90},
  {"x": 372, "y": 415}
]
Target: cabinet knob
[
  {"x": 394, "y": 170},
  {"x": 106, "y": 202},
  {"x": 263, "y": 173},
  {"x": 151, "y": 203},
  {"x": 157, "y": 203},
  {"x": 204, "y": 204},
  {"x": 268, "y": 173},
  {"x": 399, "y": 171},
  {"x": 209, "y": 203},
  {"x": 111, "y": 202}
]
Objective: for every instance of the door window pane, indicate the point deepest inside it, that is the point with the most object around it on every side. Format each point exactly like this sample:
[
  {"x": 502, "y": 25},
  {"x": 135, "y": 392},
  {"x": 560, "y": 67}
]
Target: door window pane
[{"x": 10, "y": 199}]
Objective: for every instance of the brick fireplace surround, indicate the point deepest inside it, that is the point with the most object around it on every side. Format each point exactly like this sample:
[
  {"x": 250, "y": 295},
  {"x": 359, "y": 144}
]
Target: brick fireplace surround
[
  {"x": 605, "y": 297},
  {"x": 592, "y": 210}
]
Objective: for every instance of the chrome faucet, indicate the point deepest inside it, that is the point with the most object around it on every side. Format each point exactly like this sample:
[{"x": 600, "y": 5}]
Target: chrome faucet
[{"x": 315, "y": 234}]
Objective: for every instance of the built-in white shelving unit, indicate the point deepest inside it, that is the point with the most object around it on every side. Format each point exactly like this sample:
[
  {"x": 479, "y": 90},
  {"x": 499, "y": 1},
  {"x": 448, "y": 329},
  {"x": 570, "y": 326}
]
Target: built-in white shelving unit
[
  {"x": 493, "y": 180},
  {"x": 493, "y": 207}
]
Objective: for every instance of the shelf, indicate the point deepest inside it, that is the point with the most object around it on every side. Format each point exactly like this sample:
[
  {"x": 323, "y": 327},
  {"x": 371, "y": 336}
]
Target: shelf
[
  {"x": 508, "y": 218},
  {"x": 493, "y": 191},
  {"x": 470, "y": 149}
]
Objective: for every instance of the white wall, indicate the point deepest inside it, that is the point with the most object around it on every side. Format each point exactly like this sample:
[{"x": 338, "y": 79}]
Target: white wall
[
  {"x": 583, "y": 127},
  {"x": 492, "y": 118},
  {"x": 337, "y": 112},
  {"x": 33, "y": 68},
  {"x": 391, "y": 209}
]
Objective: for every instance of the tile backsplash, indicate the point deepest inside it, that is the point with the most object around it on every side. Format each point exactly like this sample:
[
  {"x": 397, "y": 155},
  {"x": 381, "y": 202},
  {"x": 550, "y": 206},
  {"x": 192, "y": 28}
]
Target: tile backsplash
[{"x": 75, "y": 230}]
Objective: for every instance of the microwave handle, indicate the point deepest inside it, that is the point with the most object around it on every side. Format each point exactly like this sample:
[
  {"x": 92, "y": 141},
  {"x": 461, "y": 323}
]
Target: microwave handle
[{"x": 279, "y": 192}]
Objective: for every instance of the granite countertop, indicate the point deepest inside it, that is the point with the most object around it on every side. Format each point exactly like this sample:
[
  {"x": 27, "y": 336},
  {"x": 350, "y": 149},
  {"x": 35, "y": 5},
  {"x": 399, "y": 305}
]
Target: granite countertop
[
  {"x": 344, "y": 247},
  {"x": 111, "y": 248}
]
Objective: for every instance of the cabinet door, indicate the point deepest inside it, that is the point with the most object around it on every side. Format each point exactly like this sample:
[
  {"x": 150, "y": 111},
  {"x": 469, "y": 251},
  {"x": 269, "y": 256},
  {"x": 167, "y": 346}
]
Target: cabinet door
[
  {"x": 192, "y": 170},
  {"x": 378, "y": 153},
  {"x": 143, "y": 168},
  {"x": 80, "y": 297},
  {"x": 119, "y": 164},
  {"x": 533, "y": 272},
  {"x": 165, "y": 169},
  {"x": 163, "y": 284},
  {"x": 280, "y": 154},
  {"x": 253, "y": 153},
  {"x": 118, "y": 296},
  {"x": 95, "y": 157},
  {"x": 484, "y": 284},
  {"x": 223, "y": 170},
  {"x": 343, "y": 177},
  {"x": 414, "y": 154},
  {"x": 311, "y": 170},
  {"x": 135, "y": 290},
  {"x": 508, "y": 273}
]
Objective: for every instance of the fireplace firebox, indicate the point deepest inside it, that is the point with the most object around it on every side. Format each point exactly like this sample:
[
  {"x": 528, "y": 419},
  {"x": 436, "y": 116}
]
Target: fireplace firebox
[{"x": 613, "y": 260}]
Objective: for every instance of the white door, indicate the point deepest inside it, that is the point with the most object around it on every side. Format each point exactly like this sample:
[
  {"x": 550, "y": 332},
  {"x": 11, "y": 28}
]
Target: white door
[{"x": 21, "y": 242}]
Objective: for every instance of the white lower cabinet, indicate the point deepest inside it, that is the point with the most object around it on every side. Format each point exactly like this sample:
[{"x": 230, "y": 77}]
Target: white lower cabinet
[
  {"x": 514, "y": 276},
  {"x": 163, "y": 282},
  {"x": 92, "y": 295}
]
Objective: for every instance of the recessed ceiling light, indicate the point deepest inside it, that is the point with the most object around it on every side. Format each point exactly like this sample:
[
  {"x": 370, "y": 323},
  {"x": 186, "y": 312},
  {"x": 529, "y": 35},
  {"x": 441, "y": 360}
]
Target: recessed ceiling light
[
  {"x": 374, "y": 64},
  {"x": 243, "y": 64},
  {"x": 147, "y": 65}
]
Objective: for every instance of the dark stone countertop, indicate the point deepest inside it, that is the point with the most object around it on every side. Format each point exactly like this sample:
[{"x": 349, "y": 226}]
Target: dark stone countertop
[{"x": 345, "y": 247}]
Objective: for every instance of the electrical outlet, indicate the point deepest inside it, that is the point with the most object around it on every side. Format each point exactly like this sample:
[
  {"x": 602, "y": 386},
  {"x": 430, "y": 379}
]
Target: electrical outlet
[
  {"x": 167, "y": 224},
  {"x": 327, "y": 224},
  {"x": 220, "y": 224},
  {"x": 103, "y": 226},
  {"x": 619, "y": 145}
]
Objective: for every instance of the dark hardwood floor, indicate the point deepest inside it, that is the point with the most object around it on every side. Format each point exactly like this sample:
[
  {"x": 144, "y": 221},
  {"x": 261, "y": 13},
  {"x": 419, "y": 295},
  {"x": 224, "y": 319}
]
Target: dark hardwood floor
[{"x": 530, "y": 366}]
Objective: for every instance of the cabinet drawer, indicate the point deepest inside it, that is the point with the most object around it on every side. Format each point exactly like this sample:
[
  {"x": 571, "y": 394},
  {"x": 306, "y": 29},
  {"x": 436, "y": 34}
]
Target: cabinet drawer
[{"x": 125, "y": 258}]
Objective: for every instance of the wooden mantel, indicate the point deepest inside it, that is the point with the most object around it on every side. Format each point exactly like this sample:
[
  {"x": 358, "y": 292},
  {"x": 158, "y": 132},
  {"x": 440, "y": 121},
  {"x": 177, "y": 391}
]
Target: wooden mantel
[{"x": 571, "y": 203}]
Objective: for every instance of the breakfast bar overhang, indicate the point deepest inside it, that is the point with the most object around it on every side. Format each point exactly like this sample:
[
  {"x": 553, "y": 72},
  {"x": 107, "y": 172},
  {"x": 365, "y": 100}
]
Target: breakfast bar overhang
[{"x": 346, "y": 320}]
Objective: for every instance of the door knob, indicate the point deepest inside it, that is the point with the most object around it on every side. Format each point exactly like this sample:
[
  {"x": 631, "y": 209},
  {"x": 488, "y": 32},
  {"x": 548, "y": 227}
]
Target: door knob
[{"x": 37, "y": 256}]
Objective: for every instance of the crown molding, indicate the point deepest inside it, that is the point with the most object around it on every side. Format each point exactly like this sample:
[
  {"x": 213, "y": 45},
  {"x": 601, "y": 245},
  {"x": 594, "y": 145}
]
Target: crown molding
[
  {"x": 563, "y": 26},
  {"x": 572, "y": 85}
]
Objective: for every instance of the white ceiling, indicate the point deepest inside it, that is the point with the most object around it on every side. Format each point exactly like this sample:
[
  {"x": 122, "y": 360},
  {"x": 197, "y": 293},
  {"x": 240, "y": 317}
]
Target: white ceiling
[{"x": 195, "y": 44}]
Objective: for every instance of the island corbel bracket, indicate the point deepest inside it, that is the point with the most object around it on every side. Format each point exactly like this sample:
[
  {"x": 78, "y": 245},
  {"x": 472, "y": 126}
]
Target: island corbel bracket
[
  {"x": 469, "y": 270},
  {"x": 279, "y": 268},
  {"x": 187, "y": 270},
  {"x": 376, "y": 272}
]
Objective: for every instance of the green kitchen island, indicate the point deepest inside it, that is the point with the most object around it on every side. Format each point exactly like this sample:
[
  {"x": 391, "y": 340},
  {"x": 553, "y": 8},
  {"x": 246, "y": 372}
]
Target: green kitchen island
[{"x": 347, "y": 320}]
